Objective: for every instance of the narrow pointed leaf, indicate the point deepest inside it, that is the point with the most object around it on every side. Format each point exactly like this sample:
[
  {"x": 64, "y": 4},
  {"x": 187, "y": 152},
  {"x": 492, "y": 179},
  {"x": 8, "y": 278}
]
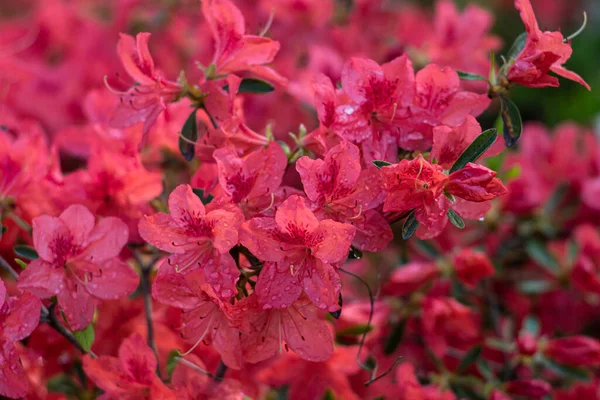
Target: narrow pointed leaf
[
  {"x": 456, "y": 220},
  {"x": 469, "y": 358},
  {"x": 85, "y": 337},
  {"x": 204, "y": 198},
  {"x": 189, "y": 132},
  {"x": 410, "y": 226},
  {"x": 21, "y": 263},
  {"x": 512, "y": 122},
  {"x": 251, "y": 85},
  {"x": 479, "y": 146},
  {"x": 381, "y": 163},
  {"x": 25, "y": 251},
  {"x": 517, "y": 46},
  {"x": 538, "y": 252},
  {"x": 467, "y": 76}
]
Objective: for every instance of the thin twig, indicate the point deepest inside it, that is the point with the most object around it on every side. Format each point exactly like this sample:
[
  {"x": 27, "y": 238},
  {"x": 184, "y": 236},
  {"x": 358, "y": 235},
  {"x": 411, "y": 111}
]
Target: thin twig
[
  {"x": 145, "y": 271},
  {"x": 372, "y": 371},
  {"x": 8, "y": 268}
]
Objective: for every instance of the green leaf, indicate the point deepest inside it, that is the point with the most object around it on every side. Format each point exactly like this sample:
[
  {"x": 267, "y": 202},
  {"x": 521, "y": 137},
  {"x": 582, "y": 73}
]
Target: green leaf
[
  {"x": 354, "y": 253},
  {"x": 251, "y": 85},
  {"x": 85, "y": 337},
  {"x": 484, "y": 369},
  {"x": 481, "y": 143},
  {"x": 512, "y": 122},
  {"x": 204, "y": 198},
  {"x": 410, "y": 226},
  {"x": 355, "y": 330},
  {"x": 381, "y": 163},
  {"x": 189, "y": 132},
  {"x": 534, "y": 286},
  {"x": 328, "y": 395},
  {"x": 556, "y": 199},
  {"x": 395, "y": 337},
  {"x": 469, "y": 358},
  {"x": 171, "y": 362},
  {"x": 531, "y": 325},
  {"x": 538, "y": 252},
  {"x": 456, "y": 220},
  {"x": 427, "y": 248},
  {"x": 517, "y": 46},
  {"x": 25, "y": 251},
  {"x": 21, "y": 263},
  {"x": 565, "y": 371},
  {"x": 467, "y": 76},
  {"x": 63, "y": 383}
]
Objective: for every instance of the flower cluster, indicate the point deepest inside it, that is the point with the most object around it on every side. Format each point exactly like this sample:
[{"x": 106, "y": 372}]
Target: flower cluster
[{"x": 203, "y": 222}]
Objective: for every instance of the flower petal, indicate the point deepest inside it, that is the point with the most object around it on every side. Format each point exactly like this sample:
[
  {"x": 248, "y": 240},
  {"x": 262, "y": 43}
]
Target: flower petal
[
  {"x": 42, "y": 279},
  {"x": 277, "y": 289},
  {"x": 23, "y": 317}
]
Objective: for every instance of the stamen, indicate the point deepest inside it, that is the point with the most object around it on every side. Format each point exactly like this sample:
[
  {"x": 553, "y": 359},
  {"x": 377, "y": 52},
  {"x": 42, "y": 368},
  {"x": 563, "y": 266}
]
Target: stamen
[
  {"x": 394, "y": 113},
  {"x": 359, "y": 213},
  {"x": 268, "y": 24},
  {"x": 579, "y": 31},
  {"x": 270, "y": 205}
]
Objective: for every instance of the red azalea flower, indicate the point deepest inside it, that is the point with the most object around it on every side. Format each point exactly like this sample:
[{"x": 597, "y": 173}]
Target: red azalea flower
[
  {"x": 472, "y": 266},
  {"x": 234, "y": 50},
  {"x": 150, "y": 94},
  {"x": 574, "y": 350},
  {"x": 438, "y": 100},
  {"x": 410, "y": 277},
  {"x": 420, "y": 186},
  {"x": 543, "y": 52},
  {"x": 131, "y": 376},
  {"x": 205, "y": 317},
  {"x": 296, "y": 327},
  {"x": 78, "y": 263},
  {"x": 339, "y": 189},
  {"x": 529, "y": 388},
  {"x": 251, "y": 182},
  {"x": 310, "y": 380},
  {"x": 303, "y": 253},
  {"x": 196, "y": 239},
  {"x": 409, "y": 388},
  {"x": 380, "y": 97},
  {"x": 19, "y": 316},
  {"x": 445, "y": 321}
]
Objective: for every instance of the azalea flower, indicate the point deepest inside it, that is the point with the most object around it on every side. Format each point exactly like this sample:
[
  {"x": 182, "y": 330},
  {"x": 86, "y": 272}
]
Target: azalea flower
[
  {"x": 151, "y": 92},
  {"x": 302, "y": 254},
  {"x": 130, "y": 376},
  {"x": 341, "y": 190},
  {"x": 78, "y": 263},
  {"x": 543, "y": 52},
  {"x": 19, "y": 316},
  {"x": 196, "y": 239}
]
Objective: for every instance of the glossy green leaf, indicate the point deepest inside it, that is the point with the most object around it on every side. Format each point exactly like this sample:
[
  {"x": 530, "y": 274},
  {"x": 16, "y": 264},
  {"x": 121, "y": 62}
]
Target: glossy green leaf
[
  {"x": 381, "y": 163},
  {"x": 395, "y": 337},
  {"x": 171, "y": 362},
  {"x": 531, "y": 325},
  {"x": 21, "y": 263},
  {"x": 189, "y": 132},
  {"x": 538, "y": 252},
  {"x": 531, "y": 287},
  {"x": 427, "y": 248},
  {"x": 456, "y": 220},
  {"x": 204, "y": 198},
  {"x": 355, "y": 330},
  {"x": 85, "y": 337},
  {"x": 512, "y": 122},
  {"x": 479, "y": 146},
  {"x": 410, "y": 226},
  {"x": 63, "y": 383},
  {"x": 328, "y": 395},
  {"x": 470, "y": 358},
  {"x": 467, "y": 76},
  {"x": 251, "y": 85},
  {"x": 354, "y": 253},
  {"x": 565, "y": 371},
  {"x": 25, "y": 251},
  {"x": 517, "y": 46}
]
